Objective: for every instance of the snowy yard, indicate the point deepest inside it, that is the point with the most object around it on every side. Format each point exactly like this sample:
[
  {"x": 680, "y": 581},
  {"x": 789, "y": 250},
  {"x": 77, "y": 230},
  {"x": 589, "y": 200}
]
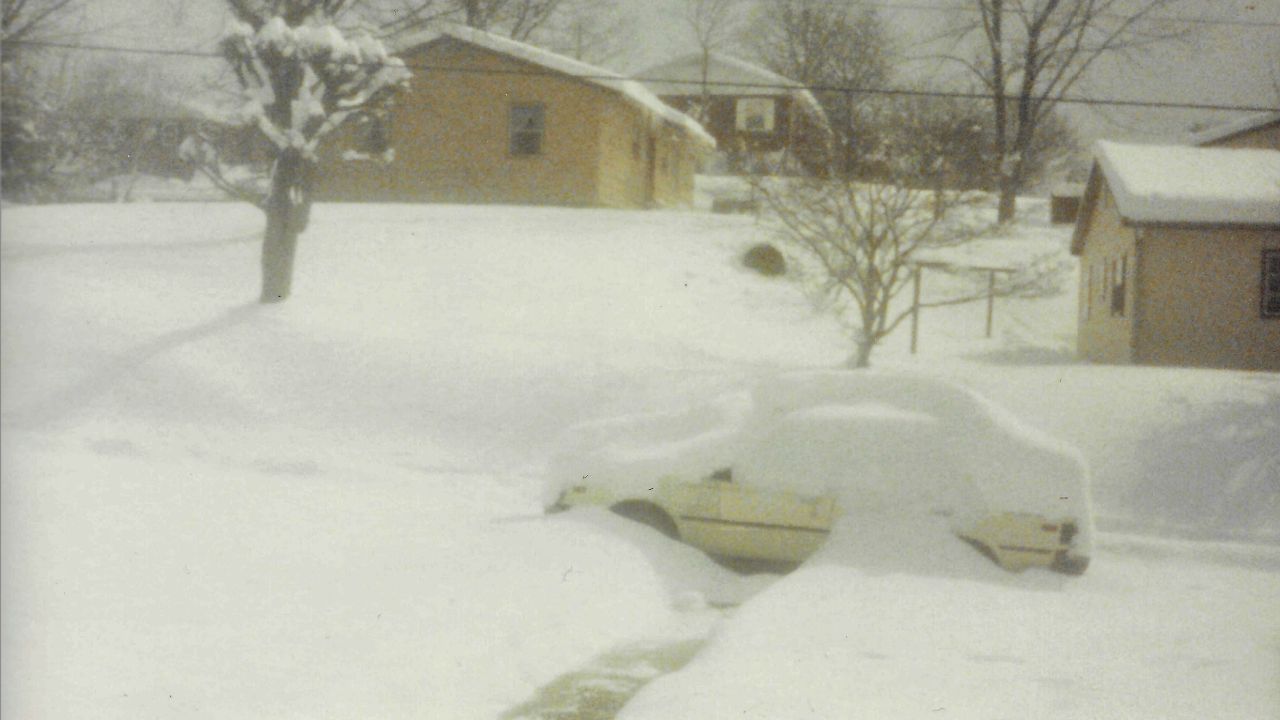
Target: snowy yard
[{"x": 332, "y": 508}]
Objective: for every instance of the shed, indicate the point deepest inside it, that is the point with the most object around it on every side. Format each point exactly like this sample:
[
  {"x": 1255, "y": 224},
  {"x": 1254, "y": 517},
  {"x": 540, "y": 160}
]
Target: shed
[
  {"x": 1180, "y": 257},
  {"x": 1064, "y": 203}
]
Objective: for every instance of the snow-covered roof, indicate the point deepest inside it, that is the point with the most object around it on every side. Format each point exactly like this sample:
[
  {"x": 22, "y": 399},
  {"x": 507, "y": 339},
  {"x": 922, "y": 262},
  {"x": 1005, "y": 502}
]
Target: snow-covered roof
[
  {"x": 726, "y": 75},
  {"x": 631, "y": 90},
  {"x": 1192, "y": 185},
  {"x": 1231, "y": 129}
]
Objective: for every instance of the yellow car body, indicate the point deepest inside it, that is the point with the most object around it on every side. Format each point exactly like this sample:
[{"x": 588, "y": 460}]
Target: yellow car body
[
  {"x": 798, "y": 446},
  {"x": 730, "y": 520}
]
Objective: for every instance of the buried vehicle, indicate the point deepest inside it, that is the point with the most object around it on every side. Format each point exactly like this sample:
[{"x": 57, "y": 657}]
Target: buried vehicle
[{"x": 765, "y": 475}]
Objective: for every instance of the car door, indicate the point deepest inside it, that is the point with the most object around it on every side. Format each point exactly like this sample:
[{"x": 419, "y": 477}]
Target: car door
[
  {"x": 695, "y": 508},
  {"x": 764, "y": 523}
]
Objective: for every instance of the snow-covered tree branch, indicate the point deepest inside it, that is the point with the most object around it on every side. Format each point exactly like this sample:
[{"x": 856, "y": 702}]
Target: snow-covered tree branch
[
  {"x": 1030, "y": 54},
  {"x": 302, "y": 78}
]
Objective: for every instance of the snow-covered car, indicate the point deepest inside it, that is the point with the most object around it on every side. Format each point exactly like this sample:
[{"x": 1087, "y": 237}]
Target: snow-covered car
[{"x": 766, "y": 475}]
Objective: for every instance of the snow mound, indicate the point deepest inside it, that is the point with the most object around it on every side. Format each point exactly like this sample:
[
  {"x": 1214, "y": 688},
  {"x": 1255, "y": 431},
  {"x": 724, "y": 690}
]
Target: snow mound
[{"x": 883, "y": 444}]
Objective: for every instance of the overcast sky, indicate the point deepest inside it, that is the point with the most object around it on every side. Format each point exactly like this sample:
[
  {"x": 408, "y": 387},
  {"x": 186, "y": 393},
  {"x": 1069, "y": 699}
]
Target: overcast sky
[{"x": 1226, "y": 64}]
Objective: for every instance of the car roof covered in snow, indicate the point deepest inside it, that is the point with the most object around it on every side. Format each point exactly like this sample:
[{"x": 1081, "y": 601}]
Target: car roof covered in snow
[{"x": 632, "y": 91}]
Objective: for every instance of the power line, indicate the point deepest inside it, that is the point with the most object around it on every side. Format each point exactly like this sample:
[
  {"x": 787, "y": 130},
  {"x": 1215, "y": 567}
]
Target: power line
[
  {"x": 1172, "y": 19},
  {"x": 745, "y": 86}
]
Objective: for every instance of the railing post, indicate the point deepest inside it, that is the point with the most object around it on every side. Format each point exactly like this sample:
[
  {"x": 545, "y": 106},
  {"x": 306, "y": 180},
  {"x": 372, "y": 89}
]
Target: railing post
[{"x": 915, "y": 309}]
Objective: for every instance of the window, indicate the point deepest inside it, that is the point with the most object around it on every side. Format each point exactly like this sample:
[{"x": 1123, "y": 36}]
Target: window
[
  {"x": 1106, "y": 282},
  {"x": 527, "y": 128},
  {"x": 637, "y": 148},
  {"x": 1271, "y": 283},
  {"x": 1119, "y": 274},
  {"x": 1088, "y": 292},
  {"x": 374, "y": 137},
  {"x": 755, "y": 115}
]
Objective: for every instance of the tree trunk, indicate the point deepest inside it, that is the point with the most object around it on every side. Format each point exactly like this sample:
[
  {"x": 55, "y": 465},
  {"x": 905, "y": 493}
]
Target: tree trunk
[
  {"x": 1008, "y": 199},
  {"x": 288, "y": 209},
  {"x": 862, "y": 356},
  {"x": 278, "y": 247}
]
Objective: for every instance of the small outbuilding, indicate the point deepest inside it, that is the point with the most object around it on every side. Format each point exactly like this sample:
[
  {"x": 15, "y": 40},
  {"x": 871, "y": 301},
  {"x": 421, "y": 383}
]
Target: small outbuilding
[
  {"x": 486, "y": 119},
  {"x": 1064, "y": 203},
  {"x": 1179, "y": 250}
]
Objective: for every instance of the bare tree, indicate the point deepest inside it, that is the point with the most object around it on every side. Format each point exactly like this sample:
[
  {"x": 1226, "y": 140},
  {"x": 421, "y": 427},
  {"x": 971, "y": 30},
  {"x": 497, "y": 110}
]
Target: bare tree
[
  {"x": 522, "y": 18},
  {"x": 30, "y": 19},
  {"x": 863, "y": 239},
  {"x": 518, "y": 19},
  {"x": 399, "y": 17},
  {"x": 1032, "y": 52},
  {"x": 594, "y": 31},
  {"x": 714, "y": 24},
  {"x": 948, "y": 140},
  {"x": 121, "y": 119},
  {"x": 305, "y": 79},
  {"x": 827, "y": 44},
  {"x": 30, "y": 146}
]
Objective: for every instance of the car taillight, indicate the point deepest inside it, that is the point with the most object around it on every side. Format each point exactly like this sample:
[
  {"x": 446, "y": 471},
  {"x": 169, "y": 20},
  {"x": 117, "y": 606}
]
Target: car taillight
[{"x": 1068, "y": 534}]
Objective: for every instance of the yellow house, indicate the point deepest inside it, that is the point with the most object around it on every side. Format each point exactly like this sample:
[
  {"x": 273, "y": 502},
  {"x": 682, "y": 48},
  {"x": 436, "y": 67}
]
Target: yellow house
[
  {"x": 1260, "y": 131},
  {"x": 1179, "y": 253},
  {"x": 486, "y": 119}
]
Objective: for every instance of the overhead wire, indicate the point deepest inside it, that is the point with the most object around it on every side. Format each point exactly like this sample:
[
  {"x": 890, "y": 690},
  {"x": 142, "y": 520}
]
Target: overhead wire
[{"x": 746, "y": 86}]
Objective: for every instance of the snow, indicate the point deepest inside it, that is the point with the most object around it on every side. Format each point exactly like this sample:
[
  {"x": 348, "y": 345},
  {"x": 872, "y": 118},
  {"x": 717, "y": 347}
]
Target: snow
[
  {"x": 633, "y": 91},
  {"x": 1173, "y": 184},
  {"x": 1235, "y": 127},
  {"x": 308, "y": 46},
  {"x": 839, "y": 641},
  {"x": 881, "y": 443},
  {"x": 332, "y": 507}
]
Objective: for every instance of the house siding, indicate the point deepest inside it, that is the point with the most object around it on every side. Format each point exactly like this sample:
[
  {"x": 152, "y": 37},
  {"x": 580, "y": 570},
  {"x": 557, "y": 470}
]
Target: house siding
[
  {"x": 1200, "y": 295},
  {"x": 451, "y": 135},
  {"x": 673, "y": 173},
  {"x": 624, "y": 157},
  {"x": 1104, "y": 336}
]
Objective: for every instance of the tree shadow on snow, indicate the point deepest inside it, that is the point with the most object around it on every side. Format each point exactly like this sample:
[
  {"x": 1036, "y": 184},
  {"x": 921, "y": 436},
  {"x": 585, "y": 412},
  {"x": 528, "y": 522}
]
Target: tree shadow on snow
[
  {"x": 1025, "y": 356},
  {"x": 79, "y": 394},
  {"x": 31, "y": 251}
]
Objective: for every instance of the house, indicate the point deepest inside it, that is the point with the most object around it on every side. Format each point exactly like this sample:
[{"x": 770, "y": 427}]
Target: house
[
  {"x": 1261, "y": 131},
  {"x": 748, "y": 109},
  {"x": 1179, "y": 251},
  {"x": 486, "y": 119}
]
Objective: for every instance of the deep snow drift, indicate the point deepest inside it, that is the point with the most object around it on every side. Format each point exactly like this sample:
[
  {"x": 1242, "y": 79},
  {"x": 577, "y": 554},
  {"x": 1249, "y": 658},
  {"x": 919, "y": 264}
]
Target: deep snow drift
[{"x": 331, "y": 508}]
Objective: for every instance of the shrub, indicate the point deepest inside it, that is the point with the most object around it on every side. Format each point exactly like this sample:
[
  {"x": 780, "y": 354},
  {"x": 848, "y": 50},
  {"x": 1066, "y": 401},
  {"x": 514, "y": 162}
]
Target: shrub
[{"x": 766, "y": 260}]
